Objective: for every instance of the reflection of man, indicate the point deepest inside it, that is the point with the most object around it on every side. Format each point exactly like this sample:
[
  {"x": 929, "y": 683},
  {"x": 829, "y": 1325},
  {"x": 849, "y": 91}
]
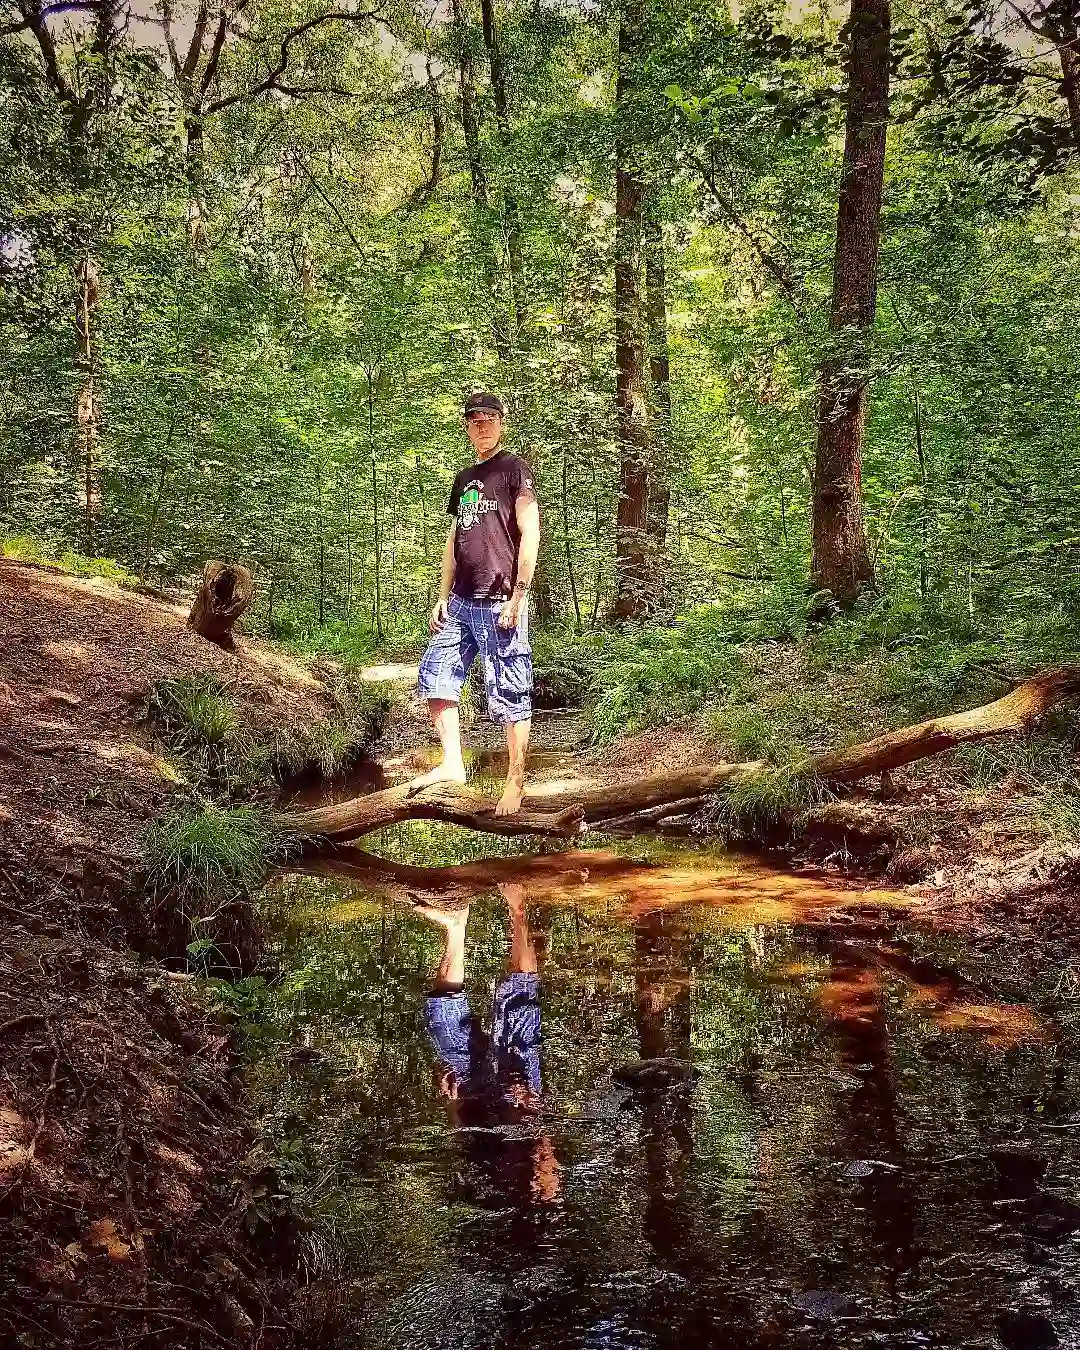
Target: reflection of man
[
  {"x": 490, "y": 1081},
  {"x": 482, "y": 610}
]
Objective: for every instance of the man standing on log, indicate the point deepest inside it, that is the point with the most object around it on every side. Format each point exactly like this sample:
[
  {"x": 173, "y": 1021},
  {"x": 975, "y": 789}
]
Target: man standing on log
[{"x": 487, "y": 569}]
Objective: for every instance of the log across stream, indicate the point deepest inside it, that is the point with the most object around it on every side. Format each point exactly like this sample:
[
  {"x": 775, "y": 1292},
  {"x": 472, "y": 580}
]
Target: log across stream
[{"x": 568, "y": 811}]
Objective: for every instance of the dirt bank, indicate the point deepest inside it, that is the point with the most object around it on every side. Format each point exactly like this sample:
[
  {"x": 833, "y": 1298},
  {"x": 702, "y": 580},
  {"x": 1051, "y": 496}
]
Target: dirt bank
[{"x": 129, "y": 1191}]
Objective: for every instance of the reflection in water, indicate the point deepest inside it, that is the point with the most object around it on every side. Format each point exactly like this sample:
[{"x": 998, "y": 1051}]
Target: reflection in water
[
  {"x": 491, "y": 1080},
  {"x": 843, "y": 1171}
]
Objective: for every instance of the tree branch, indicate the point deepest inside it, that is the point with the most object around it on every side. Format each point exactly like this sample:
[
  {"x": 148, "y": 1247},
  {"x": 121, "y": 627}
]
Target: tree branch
[
  {"x": 331, "y": 204},
  {"x": 272, "y": 78},
  {"x": 210, "y": 72},
  {"x": 61, "y": 7},
  {"x": 170, "y": 42},
  {"x": 767, "y": 260},
  {"x": 35, "y": 20},
  {"x": 195, "y": 46}
]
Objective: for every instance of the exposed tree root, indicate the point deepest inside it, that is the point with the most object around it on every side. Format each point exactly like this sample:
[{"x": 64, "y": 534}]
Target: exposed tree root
[{"x": 571, "y": 811}]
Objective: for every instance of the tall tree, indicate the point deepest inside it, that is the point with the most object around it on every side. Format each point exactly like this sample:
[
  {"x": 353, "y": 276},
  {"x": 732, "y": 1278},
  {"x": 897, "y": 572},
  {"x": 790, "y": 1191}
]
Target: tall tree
[
  {"x": 511, "y": 210},
  {"x": 631, "y": 331},
  {"x": 660, "y": 402},
  {"x": 841, "y": 562}
]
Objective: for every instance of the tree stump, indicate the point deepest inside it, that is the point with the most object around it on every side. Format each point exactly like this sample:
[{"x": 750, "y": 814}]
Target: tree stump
[{"x": 224, "y": 594}]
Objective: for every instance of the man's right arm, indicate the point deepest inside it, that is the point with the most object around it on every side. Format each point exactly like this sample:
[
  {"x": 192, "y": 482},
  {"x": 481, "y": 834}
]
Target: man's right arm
[{"x": 446, "y": 580}]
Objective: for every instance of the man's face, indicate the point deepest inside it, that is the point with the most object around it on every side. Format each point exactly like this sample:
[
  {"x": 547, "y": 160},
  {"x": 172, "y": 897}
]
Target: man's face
[{"x": 485, "y": 430}]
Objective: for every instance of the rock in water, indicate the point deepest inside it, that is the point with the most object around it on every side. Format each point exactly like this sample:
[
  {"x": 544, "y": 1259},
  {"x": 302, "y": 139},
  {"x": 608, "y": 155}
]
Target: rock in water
[{"x": 656, "y": 1075}]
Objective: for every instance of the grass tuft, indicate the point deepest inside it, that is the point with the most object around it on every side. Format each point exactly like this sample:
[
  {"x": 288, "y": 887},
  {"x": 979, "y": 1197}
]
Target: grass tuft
[
  {"x": 211, "y": 852},
  {"x": 777, "y": 796},
  {"x": 194, "y": 709}
]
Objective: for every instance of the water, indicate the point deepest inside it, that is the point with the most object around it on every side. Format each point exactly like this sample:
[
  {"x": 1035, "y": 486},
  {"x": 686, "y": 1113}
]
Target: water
[{"x": 878, "y": 1149}]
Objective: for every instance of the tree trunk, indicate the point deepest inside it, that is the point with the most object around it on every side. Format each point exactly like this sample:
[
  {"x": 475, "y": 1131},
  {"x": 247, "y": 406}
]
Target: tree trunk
[
  {"x": 87, "y": 422},
  {"x": 470, "y": 126},
  {"x": 841, "y": 560},
  {"x": 569, "y": 811},
  {"x": 631, "y": 403},
  {"x": 660, "y": 387},
  {"x": 194, "y": 168},
  {"x": 224, "y": 594},
  {"x": 511, "y": 211},
  {"x": 1068, "y": 46},
  {"x": 426, "y": 190}
]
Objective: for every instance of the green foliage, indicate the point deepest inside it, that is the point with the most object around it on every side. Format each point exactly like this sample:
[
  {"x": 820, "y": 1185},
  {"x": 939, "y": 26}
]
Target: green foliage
[
  {"x": 657, "y": 675},
  {"x": 194, "y": 710},
  {"x": 29, "y": 548},
  {"x": 211, "y": 853}
]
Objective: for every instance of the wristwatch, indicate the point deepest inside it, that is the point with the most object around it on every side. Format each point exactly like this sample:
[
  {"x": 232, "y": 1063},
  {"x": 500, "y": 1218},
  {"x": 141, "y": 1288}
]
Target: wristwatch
[{"x": 521, "y": 588}]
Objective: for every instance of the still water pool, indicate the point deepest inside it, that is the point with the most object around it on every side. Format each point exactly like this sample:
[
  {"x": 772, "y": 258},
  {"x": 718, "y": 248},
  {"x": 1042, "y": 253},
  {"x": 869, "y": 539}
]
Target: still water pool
[{"x": 876, "y": 1146}]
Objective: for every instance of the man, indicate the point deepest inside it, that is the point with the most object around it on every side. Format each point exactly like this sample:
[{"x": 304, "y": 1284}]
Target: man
[
  {"x": 487, "y": 569},
  {"x": 491, "y": 1080}
]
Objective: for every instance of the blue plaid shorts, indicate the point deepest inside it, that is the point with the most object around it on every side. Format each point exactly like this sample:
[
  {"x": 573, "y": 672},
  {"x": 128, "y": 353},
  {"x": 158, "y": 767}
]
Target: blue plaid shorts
[
  {"x": 472, "y": 630},
  {"x": 489, "y": 1063}
]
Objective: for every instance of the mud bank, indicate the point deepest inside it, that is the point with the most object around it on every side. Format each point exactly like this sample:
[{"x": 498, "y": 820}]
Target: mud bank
[{"x": 131, "y": 1188}]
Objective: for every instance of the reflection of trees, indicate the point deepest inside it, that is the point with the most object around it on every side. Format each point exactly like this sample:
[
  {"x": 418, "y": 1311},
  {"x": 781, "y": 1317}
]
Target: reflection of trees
[
  {"x": 821, "y": 1048},
  {"x": 868, "y": 1123},
  {"x": 662, "y": 1014}
]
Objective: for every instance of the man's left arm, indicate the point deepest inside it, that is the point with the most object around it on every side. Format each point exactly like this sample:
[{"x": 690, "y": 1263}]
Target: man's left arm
[{"x": 527, "y": 513}]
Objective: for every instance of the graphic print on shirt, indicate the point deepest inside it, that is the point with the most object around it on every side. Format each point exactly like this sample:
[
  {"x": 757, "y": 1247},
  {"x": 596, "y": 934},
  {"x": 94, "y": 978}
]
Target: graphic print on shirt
[{"x": 473, "y": 504}]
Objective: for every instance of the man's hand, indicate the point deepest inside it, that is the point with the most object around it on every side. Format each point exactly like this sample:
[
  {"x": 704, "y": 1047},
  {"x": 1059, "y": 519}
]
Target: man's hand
[
  {"x": 439, "y": 615},
  {"x": 511, "y": 610}
]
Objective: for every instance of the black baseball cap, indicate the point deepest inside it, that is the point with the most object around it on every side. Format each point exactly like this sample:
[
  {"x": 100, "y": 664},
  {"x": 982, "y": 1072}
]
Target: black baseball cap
[{"x": 482, "y": 399}]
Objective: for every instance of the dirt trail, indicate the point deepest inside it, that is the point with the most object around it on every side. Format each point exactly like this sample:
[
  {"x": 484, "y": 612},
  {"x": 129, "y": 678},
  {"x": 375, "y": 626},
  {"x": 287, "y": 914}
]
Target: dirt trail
[{"x": 128, "y": 1190}]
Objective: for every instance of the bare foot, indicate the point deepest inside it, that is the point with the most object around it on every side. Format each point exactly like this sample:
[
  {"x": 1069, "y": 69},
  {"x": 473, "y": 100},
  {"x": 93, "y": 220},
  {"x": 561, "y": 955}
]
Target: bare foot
[
  {"x": 513, "y": 892},
  {"x": 509, "y": 803},
  {"x": 441, "y": 773},
  {"x": 446, "y": 919}
]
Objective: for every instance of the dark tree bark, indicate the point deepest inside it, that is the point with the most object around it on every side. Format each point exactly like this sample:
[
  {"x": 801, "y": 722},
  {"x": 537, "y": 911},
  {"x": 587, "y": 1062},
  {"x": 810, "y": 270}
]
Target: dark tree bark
[
  {"x": 1068, "y": 45},
  {"x": 426, "y": 190},
  {"x": 224, "y": 594},
  {"x": 511, "y": 210},
  {"x": 660, "y": 388},
  {"x": 841, "y": 560},
  {"x": 87, "y": 408},
  {"x": 470, "y": 126},
  {"x": 631, "y": 349}
]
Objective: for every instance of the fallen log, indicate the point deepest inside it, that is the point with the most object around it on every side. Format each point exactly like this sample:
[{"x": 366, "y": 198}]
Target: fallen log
[
  {"x": 439, "y": 801},
  {"x": 569, "y": 812},
  {"x": 223, "y": 595},
  {"x": 1014, "y": 714}
]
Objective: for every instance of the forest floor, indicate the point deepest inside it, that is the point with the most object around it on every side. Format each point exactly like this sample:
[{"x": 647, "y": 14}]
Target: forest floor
[
  {"x": 127, "y": 1177},
  {"x": 137, "y": 1205}
]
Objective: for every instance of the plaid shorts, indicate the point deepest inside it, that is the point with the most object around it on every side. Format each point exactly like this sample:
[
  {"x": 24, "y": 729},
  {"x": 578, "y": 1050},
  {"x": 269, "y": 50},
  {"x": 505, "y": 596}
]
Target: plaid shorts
[
  {"x": 489, "y": 1064},
  {"x": 472, "y": 630}
]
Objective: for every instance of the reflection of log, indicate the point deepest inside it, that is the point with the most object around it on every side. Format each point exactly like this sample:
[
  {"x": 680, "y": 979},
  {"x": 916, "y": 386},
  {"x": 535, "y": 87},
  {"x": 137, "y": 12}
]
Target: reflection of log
[
  {"x": 568, "y": 812},
  {"x": 541, "y": 872},
  {"x": 224, "y": 594}
]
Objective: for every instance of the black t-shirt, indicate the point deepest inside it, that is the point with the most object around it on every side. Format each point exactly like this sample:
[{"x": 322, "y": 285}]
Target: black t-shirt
[{"x": 483, "y": 500}]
